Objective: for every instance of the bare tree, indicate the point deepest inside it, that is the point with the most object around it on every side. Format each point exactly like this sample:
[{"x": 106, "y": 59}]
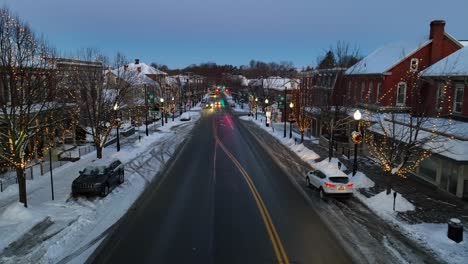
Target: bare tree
[
  {"x": 400, "y": 141},
  {"x": 299, "y": 109},
  {"x": 98, "y": 97},
  {"x": 26, "y": 93}
]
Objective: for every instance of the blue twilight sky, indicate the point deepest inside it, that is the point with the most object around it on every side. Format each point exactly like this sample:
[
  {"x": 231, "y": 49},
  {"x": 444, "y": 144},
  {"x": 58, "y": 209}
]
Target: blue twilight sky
[{"x": 183, "y": 32}]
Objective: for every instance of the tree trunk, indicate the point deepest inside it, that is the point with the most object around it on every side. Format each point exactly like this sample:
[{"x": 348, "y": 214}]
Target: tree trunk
[
  {"x": 22, "y": 186},
  {"x": 99, "y": 151},
  {"x": 302, "y": 137}
]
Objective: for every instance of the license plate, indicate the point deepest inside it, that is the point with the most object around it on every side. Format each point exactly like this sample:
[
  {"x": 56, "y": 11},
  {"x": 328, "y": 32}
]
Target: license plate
[{"x": 341, "y": 188}]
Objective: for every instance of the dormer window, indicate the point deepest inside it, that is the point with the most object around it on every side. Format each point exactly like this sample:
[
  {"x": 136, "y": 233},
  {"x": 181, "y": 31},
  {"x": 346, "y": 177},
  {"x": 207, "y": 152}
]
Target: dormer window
[{"x": 414, "y": 64}]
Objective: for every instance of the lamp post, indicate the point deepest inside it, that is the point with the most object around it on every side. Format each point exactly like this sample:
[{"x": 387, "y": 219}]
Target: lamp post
[
  {"x": 256, "y": 108},
  {"x": 116, "y": 109},
  {"x": 173, "y": 108},
  {"x": 291, "y": 105},
  {"x": 162, "y": 110},
  {"x": 357, "y": 117},
  {"x": 266, "y": 103},
  {"x": 285, "y": 109}
]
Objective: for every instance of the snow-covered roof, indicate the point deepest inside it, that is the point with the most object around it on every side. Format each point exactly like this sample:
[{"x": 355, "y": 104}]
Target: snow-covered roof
[
  {"x": 464, "y": 42},
  {"x": 145, "y": 68},
  {"x": 386, "y": 57},
  {"x": 456, "y": 64},
  {"x": 275, "y": 83}
]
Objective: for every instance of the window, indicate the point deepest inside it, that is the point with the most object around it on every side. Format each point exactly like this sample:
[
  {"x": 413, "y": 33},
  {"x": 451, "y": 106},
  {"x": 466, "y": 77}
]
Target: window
[
  {"x": 440, "y": 97},
  {"x": 414, "y": 64},
  {"x": 458, "y": 101},
  {"x": 401, "y": 94},
  {"x": 377, "y": 93},
  {"x": 350, "y": 85},
  {"x": 363, "y": 90},
  {"x": 369, "y": 92},
  {"x": 356, "y": 88}
]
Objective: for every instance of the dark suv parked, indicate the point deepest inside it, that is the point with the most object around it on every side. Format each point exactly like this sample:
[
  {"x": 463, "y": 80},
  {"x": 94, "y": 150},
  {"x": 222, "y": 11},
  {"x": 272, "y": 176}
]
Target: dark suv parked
[{"x": 99, "y": 179}]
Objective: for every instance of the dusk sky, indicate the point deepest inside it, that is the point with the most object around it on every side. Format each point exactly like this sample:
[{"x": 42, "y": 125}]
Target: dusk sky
[{"x": 183, "y": 32}]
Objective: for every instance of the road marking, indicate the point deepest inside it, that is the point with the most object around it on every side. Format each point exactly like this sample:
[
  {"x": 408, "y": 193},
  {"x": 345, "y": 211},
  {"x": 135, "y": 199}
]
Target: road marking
[{"x": 271, "y": 230}]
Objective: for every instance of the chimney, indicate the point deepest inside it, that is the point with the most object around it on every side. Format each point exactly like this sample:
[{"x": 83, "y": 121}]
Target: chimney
[
  {"x": 137, "y": 61},
  {"x": 125, "y": 67},
  {"x": 437, "y": 36},
  {"x": 138, "y": 68}
]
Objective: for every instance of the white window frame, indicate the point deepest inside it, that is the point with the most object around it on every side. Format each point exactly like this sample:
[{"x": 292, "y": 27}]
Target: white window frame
[
  {"x": 458, "y": 86},
  {"x": 377, "y": 93},
  {"x": 439, "y": 97},
  {"x": 414, "y": 63},
  {"x": 398, "y": 94}
]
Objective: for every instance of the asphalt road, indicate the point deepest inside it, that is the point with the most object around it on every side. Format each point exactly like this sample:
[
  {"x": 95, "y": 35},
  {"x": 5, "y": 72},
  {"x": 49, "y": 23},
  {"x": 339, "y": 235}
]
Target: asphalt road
[{"x": 223, "y": 199}]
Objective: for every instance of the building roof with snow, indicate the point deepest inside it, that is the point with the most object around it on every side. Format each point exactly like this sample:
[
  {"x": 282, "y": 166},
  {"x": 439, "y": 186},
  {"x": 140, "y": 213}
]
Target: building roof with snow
[
  {"x": 455, "y": 64},
  {"x": 386, "y": 57},
  {"x": 275, "y": 83}
]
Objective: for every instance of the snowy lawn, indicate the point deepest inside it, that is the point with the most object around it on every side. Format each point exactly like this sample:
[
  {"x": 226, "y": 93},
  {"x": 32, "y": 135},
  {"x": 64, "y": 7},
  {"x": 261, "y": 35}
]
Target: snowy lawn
[
  {"x": 47, "y": 231},
  {"x": 429, "y": 235}
]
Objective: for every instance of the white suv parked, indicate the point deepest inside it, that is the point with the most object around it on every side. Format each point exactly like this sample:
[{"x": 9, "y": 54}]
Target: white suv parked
[{"x": 338, "y": 183}]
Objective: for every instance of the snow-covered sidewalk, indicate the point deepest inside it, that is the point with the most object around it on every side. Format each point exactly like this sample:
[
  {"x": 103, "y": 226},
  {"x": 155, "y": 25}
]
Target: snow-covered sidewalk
[
  {"x": 48, "y": 231},
  {"x": 432, "y": 236}
]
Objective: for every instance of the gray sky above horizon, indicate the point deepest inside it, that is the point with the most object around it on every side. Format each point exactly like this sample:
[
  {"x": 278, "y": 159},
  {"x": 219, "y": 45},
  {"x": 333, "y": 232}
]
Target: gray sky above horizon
[{"x": 183, "y": 32}]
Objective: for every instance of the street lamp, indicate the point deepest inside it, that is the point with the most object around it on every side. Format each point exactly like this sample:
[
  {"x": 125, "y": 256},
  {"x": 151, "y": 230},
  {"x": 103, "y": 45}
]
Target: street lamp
[
  {"x": 291, "y": 105},
  {"x": 357, "y": 117},
  {"x": 162, "y": 111},
  {"x": 173, "y": 108},
  {"x": 266, "y": 118},
  {"x": 256, "y": 108},
  {"x": 116, "y": 109}
]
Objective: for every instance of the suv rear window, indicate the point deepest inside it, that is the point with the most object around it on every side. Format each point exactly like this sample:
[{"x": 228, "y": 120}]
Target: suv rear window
[{"x": 339, "y": 179}]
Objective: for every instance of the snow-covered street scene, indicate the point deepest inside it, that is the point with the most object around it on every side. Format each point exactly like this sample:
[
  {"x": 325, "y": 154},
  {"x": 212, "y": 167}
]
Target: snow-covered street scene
[{"x": 233, "y": 132}]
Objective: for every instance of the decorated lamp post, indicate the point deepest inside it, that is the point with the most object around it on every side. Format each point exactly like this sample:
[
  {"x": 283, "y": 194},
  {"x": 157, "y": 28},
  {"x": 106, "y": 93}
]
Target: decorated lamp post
[
  {"x": 162, "y": 110},
  {"x": 117, "y": 120},
  {"x": 266, "y": 112},
  {"x": 256, "y": 108},
  {"x": 291, "y": 105},
  {"x": 173, "y": 109},
  {"x": 356, "y": 137}
]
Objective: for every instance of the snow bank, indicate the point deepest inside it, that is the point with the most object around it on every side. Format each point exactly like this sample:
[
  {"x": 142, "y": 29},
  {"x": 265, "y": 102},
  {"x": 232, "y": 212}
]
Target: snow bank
[
  {"x": 16, "y": 213},
  {"x": 361, "y": 181},
  {"x": 435, "y": 237}
]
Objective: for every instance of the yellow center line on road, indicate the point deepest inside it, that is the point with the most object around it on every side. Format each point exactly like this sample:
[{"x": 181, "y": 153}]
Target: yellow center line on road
[{"x": 271, "y": 230}]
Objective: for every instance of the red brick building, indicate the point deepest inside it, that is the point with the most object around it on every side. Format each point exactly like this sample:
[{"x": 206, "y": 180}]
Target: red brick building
[
  {"x": 388, "y": 78},
  {"x": 446, "y": 89}
]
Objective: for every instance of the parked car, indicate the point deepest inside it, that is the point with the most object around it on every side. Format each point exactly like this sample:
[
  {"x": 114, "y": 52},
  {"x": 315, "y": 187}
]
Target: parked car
[
  {"x": 99, "y": 179},
  {"x": 330, "y": 182}
]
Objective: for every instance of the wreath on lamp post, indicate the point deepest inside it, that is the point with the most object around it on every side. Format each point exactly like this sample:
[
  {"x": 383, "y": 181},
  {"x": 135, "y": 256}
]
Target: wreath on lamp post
[{"x": 356, "y": 137}]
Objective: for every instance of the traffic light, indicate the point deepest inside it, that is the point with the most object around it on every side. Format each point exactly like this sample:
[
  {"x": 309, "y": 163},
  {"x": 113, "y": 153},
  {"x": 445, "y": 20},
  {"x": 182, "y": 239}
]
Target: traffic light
[
  {"x": 226, "y": 90},
  {"x": 217, "y": 90}
]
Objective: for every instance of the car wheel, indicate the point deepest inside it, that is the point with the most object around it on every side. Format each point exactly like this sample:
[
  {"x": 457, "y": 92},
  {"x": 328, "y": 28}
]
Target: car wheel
[
  {"x": 105, "y": 191},
  {"x": 308, "y": 182},
  {"x": 121, "y": 178},
  {"x": 322, "y": 193}
]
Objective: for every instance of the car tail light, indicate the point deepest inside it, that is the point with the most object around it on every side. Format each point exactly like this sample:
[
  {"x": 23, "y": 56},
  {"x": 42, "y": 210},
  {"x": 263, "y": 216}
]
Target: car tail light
[
  {"x": 350, "y": 184},
  {"x": 330, "y": 185}
]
